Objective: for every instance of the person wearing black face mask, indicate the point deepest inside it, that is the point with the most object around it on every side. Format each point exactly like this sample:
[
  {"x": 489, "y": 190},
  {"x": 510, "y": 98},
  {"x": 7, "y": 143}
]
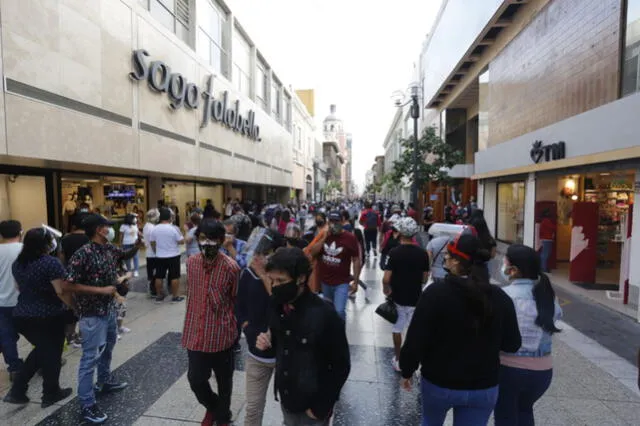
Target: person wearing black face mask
[
  {"x": 210, "y": 328},
  {"x": 312, "y": 352}
]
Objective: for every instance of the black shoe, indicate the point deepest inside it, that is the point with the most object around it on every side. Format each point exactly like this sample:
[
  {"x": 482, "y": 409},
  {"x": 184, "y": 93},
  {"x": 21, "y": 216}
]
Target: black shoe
[
  {"x": 237, "y": 348},
  {"x": 177, "y": 299},
  {"x": 110, "y": 387},
  {"x": 94, "y": 415},
  {"x": 50, "y": 400},
  {"x": 16, "y": 399}
]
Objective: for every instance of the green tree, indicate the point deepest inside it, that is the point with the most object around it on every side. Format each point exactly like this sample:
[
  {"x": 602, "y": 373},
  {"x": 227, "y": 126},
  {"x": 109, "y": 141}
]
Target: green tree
[
  {"x": 332, "y": 187},
  {"x": 389, "y": 184},
  {"x": 435, "y": 156}
]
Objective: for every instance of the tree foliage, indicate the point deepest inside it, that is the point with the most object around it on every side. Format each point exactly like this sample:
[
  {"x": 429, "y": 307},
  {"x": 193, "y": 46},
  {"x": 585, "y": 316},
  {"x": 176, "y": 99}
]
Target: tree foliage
[{"x": 435, "y": 156}]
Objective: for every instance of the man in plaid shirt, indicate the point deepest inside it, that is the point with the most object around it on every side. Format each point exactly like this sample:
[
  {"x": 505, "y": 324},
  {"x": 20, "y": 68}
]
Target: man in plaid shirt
[{"x": 210, "y": 328}]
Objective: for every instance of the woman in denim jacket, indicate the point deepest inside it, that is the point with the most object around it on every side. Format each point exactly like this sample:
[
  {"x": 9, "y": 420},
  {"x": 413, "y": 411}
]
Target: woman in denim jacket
[{"x": 526, "y": 375}]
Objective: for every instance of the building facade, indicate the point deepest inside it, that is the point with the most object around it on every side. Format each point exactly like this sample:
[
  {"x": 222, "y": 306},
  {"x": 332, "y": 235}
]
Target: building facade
[
  {"x": 127, "y": 104},
  {"x": 392, "y": 150},
  {"x": 546, "y": 93},
  {"x": 335, "y": 152},
  {"x": 303, "y": 132}
]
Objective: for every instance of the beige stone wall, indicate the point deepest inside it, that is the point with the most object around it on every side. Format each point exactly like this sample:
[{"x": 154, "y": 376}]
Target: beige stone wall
[
  {"x": 565, "y": 62},
  {"x": 81, "y": 50}
]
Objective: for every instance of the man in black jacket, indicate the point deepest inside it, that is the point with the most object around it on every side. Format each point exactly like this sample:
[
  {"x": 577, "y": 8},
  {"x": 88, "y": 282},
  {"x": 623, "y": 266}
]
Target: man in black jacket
[
  {"x": 254, "y": 308},
  {"x": 312, "y": 352}
]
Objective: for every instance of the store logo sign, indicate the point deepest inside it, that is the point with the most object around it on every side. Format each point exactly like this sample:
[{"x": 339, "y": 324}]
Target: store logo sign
[
  {"x": 550, "y": 152},
  {"x": 183, "y": 93}
]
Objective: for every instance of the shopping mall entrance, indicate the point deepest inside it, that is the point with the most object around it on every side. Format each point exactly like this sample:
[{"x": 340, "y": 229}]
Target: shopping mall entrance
[{"x": 591, "y": 212}]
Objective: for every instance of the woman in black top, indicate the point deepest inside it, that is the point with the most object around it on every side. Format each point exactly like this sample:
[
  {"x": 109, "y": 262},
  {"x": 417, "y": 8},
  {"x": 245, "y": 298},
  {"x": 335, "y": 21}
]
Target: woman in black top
[
  {"x": 40, "y": 317},
  {"x": 458, "y": 329}
]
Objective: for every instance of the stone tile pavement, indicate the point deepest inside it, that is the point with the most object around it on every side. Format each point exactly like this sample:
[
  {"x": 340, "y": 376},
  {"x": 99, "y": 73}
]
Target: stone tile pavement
[{"x": 591, "y": 386}]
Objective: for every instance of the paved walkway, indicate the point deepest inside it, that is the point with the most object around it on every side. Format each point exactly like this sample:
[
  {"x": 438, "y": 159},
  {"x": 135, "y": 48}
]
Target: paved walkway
[{"x": 592, "y": 385}]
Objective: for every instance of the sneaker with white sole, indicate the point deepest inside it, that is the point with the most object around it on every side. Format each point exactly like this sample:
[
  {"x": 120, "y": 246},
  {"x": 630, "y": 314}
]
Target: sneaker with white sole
[
  {"x": 395, "y": 364},
  {"x": 136, "y": 274},
  {"x": 94, "y": 415},
  {"x": 124, "y": 330}
]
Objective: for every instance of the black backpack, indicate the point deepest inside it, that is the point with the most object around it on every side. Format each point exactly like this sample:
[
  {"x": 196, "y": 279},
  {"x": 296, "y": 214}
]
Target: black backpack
[{"x": 371, "y": 220}]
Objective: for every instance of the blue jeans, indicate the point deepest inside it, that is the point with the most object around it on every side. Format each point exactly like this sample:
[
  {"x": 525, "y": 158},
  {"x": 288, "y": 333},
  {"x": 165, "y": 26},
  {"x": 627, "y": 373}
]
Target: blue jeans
[
  {"x": 99, "y": 336},
  {"x": 136, "y": 261},
  {"x": 519, "y": 390},
  {"x": 470, "y": 407},
  {"x": 545, "y": 254},
  {"x": 9, "y": 339},
  {"x": 338, "y": 294}
]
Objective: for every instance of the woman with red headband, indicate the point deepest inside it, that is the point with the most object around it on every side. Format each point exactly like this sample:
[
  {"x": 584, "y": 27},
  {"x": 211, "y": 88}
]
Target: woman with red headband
[{"x": 459, "y": 327}]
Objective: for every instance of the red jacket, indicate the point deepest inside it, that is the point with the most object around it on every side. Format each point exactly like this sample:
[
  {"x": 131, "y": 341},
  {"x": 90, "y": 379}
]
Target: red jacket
[{"x": 547, "y": 229}]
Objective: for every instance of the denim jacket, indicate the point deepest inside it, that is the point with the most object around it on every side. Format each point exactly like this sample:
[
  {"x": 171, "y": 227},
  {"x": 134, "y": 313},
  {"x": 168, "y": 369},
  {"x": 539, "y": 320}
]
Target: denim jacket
[{"x": 535, "y": 341}]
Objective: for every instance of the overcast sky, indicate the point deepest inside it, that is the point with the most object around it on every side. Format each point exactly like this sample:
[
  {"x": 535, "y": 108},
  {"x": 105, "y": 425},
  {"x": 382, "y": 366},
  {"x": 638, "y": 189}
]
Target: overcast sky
[{"x": 354, "y": 53}]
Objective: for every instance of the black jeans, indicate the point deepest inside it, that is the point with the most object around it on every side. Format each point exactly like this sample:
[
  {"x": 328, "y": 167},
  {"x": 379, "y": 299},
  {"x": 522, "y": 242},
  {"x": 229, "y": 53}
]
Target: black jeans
[
  {"x": 200, "y": 366},
  {"x": 47, "y": 337},
  {"x": 371, "y": 239},
  {"x": 519, "y": 390}
]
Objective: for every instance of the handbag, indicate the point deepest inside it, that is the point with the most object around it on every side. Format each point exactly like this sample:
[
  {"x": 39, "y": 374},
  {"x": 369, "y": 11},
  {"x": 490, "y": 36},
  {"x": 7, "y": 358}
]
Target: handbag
[{"x": 388, "y": 311}]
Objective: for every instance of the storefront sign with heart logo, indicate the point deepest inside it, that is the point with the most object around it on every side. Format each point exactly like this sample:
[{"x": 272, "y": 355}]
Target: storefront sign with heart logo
[{"x": 550, "y": 152}]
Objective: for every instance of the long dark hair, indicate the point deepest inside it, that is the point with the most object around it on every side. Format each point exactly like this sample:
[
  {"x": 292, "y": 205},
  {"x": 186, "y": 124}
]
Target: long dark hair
[
  {"x": 36, "y": 243},
  {"x": 474, "y": 278},
  {"x": 286, "y": 216},
  {"x": 484, "y": 235},
  {"x": 528, "y": 263}
]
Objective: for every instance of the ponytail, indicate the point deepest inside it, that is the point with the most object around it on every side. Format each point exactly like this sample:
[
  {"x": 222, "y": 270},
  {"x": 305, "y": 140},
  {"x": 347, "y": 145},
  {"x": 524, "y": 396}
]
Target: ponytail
[
  {"x": 477, "y": 288},
  {"x": 545, "y": 299}
]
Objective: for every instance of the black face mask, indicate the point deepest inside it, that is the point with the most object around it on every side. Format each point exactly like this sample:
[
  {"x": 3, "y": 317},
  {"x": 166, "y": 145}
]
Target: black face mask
[
  {"x": 284, "y": 293},
  {"x": 210, "y": 251},
  {"x": 319, "y": 223}
]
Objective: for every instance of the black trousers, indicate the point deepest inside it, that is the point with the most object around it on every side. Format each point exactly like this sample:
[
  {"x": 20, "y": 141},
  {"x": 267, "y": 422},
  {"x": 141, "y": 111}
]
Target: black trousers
[
  {"x": 370, "y": 239},
  {"x": 222, "y": 364},
  {"x": 47, "y": 336}
]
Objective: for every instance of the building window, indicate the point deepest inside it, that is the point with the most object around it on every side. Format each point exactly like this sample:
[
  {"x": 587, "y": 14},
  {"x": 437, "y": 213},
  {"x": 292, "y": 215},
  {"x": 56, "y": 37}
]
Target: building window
[
  {"x": 287, "y": 112},
  {"x": 262, "y": 84},
  {"x": 510, "y": 218},
  {"x": 172, "y": 14},
  {"x": 631, "y": 71},
  {"x": 299, "y": 138},
  {"x": 241, "y": 54},
  {"x": 483, "y": 111},
  {"x": 212, "y": 43},
  {"x": 275, "y": 100}
]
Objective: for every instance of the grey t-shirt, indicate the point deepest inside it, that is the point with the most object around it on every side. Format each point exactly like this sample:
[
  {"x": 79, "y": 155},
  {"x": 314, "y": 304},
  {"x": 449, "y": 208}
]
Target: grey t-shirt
[
  {"x": 437, "y": 246},
  {"x": 8, "y": 293}
]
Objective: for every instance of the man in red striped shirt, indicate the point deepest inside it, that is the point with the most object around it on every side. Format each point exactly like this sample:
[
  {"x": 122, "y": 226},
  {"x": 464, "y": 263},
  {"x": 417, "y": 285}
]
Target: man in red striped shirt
[{"x": 210, "y": 324}]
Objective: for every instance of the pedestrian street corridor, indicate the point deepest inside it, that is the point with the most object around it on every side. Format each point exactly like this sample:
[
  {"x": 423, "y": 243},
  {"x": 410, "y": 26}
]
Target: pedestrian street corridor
[{"x": 591, "y": 384}]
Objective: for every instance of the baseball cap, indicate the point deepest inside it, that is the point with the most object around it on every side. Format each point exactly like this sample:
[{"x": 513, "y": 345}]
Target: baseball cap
[
  {"x": 467, "y": 247},
  {"x": 406, "y": 226},
  {"x": 95, "y": 220},
  {"x": 335, "y": 216}
]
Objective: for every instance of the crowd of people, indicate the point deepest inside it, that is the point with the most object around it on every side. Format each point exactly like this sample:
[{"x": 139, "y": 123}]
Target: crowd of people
[{"x": 282, "y": 275}]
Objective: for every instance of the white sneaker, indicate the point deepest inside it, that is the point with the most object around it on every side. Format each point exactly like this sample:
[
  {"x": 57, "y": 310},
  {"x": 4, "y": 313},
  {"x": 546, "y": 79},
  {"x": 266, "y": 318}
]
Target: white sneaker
[
  {"x": 136, "y": 274},
  {"x": 119, "y": 337},
  {"x": 395, "y": 364},
  {"x": 124, "y": 330}
]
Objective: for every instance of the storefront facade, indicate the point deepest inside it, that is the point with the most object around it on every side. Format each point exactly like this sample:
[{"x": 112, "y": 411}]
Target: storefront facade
[
  {"x": 110, "y": 104},
  {"x": 585, "y": 173}
]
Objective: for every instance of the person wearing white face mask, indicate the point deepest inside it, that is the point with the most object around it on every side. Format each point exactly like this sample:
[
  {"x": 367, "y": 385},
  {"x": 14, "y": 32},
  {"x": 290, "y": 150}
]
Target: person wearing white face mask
[
  {"x": 93, "y": 277},
  {"x": 526, "y": 374}
]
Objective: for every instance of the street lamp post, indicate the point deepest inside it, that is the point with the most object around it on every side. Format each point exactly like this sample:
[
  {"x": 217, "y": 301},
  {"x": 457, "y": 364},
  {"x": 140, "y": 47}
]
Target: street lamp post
[
  {"x": 414, "y": 100},
  {"x": 415, "y": 114}
]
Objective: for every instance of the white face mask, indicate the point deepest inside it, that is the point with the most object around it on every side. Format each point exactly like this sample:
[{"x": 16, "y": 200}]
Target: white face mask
[
  {"x": 111, "y": 234},
  {"x": 504, "y": 271}
]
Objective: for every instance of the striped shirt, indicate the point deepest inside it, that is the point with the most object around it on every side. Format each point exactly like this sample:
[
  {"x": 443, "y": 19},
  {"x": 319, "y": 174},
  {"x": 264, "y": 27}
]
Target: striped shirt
[{"x": 210, "y": 323}]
